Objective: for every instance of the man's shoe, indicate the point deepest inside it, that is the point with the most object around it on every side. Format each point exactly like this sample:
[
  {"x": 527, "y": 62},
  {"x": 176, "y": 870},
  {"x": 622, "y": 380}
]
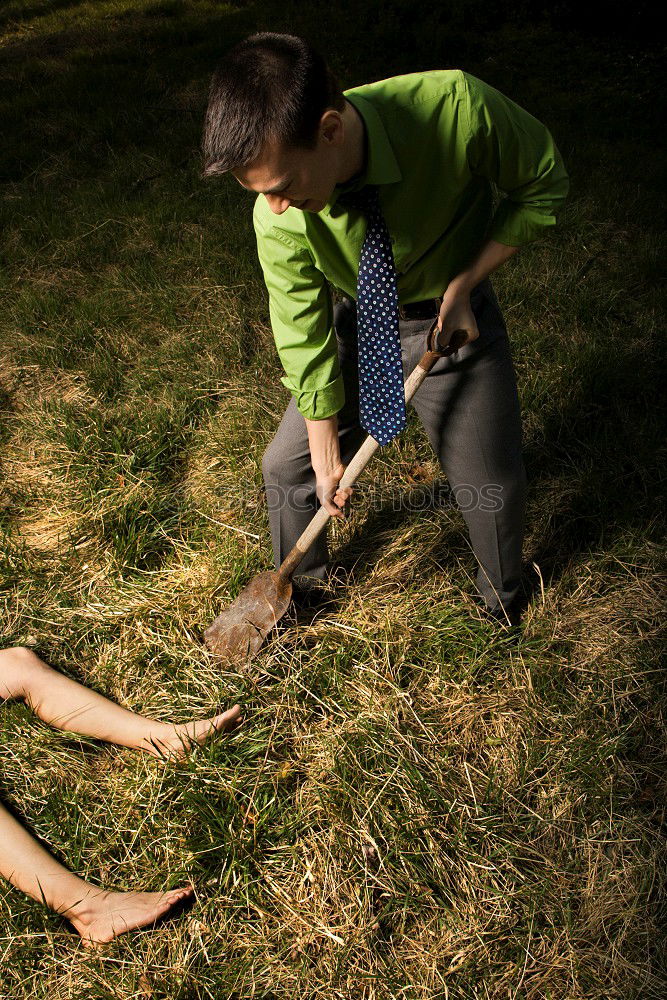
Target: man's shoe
[
  {"x": 308, "y": 595},
  {"x": 509, "y": 617}
]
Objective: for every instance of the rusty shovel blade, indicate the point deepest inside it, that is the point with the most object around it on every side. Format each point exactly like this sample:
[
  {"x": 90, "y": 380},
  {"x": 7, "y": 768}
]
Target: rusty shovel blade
[{"x": 238, "y": 632}]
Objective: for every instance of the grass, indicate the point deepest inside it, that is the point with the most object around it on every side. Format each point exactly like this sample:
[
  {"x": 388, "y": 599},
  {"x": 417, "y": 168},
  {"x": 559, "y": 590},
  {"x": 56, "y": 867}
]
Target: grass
[{"x": 415, "y": 807}]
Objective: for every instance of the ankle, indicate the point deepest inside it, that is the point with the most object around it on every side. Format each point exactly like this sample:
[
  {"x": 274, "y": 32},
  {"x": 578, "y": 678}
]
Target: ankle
[
  {"x": 86, "y": 909},
  {"x": 155, "y": 736}
]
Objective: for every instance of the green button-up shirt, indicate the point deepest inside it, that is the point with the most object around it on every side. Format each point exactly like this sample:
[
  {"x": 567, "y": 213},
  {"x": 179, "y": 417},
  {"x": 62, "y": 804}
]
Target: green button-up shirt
[{"x": 436, "y": 143}]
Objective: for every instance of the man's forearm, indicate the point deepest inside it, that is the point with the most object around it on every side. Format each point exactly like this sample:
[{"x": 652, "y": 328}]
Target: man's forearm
[
  {"x": 456, "y": 315},
  {"x": 324, "y": 444},
  {"x": 491, "y": 256}
]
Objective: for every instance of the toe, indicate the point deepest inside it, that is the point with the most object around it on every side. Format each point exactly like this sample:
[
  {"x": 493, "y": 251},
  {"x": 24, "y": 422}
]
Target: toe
[
  {"x": 172, "y": 898},
  {"x": 227, "y": 719},
  {"x": 177, "y": 894}
]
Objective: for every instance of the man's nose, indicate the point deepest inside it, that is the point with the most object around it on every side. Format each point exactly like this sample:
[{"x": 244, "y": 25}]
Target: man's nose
[{"x": 277, "y": 204}]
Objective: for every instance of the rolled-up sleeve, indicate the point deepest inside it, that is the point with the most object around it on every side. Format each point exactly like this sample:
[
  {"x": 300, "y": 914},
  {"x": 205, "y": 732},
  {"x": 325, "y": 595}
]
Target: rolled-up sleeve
[
  {"x": 301, "y": 314},
  {"x": 515, "y": 151}
]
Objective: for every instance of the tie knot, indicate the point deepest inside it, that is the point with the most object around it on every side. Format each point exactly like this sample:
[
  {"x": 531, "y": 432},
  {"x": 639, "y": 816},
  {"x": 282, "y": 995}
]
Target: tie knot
[{"x": 366, "y": 199}]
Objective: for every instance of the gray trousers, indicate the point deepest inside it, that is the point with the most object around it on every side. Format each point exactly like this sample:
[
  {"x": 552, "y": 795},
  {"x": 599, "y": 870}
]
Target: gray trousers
[{"x": 469, "y": 407}]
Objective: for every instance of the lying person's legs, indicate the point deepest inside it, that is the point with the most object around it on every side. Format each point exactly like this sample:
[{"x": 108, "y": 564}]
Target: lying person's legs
[
  {"x": 64, "y": 704},
  {"x": 98, "y": 915}
]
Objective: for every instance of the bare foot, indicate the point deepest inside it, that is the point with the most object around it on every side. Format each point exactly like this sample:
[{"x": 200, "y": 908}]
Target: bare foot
[
  {"x": 105, "y": 915},
  {"x": 169, "y": 740}
]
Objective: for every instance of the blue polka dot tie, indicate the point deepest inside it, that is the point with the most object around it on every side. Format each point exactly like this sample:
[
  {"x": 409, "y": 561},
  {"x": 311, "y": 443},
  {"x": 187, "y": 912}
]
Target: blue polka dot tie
[{"x": 381, "y": 391}]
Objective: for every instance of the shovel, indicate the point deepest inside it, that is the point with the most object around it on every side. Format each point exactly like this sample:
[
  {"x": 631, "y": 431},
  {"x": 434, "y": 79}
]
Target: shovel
[{"x": 237, "y": 633}]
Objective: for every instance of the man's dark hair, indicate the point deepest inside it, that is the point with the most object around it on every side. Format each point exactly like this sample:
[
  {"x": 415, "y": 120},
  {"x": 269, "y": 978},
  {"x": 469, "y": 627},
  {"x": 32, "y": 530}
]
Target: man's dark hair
[{"x": 269, "y": 86}]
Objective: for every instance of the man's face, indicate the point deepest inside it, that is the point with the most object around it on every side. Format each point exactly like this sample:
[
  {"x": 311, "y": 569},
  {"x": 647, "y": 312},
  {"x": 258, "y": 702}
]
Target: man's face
[{"x": 298, "y": 178}]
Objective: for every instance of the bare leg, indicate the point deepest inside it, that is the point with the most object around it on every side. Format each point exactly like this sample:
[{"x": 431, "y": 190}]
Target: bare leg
[
  {"x": 65, "y": 704},
  {"x": 97, "y": 915}
]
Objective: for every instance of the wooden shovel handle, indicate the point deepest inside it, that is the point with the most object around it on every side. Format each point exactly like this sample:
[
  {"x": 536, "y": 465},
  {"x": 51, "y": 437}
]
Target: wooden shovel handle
[{"x": 363, "y": 456}]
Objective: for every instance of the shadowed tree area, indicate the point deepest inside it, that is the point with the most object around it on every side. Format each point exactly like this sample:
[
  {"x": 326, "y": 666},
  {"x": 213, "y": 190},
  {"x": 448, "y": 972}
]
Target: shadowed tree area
[{"x": 415, "y": 807}]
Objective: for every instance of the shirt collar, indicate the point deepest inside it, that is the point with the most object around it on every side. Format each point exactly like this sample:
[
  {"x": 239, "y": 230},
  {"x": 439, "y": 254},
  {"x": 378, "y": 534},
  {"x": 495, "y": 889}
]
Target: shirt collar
[{"x": 381, "y": 165}]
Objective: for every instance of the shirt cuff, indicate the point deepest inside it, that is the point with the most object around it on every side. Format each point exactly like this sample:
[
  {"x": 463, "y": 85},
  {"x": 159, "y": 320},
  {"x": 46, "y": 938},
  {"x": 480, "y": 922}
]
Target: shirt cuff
[
  {"x": 317, "y": 404},
  {"x": 513, "y": 225}
]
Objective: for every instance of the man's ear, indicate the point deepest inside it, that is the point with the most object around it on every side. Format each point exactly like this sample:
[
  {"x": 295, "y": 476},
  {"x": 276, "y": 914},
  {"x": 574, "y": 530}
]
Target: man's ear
[{"x": 331, "y": 126}]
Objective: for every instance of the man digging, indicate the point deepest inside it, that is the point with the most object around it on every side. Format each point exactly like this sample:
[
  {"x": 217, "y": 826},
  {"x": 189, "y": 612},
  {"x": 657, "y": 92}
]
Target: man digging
[{"x": 385, "y": 192}]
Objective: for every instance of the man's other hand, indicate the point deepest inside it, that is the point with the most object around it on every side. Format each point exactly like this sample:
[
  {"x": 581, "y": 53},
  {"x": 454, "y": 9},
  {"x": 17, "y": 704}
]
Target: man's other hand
[
  {"x": 456, "y": 315},
  {"x": 333, "y": 499}
]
